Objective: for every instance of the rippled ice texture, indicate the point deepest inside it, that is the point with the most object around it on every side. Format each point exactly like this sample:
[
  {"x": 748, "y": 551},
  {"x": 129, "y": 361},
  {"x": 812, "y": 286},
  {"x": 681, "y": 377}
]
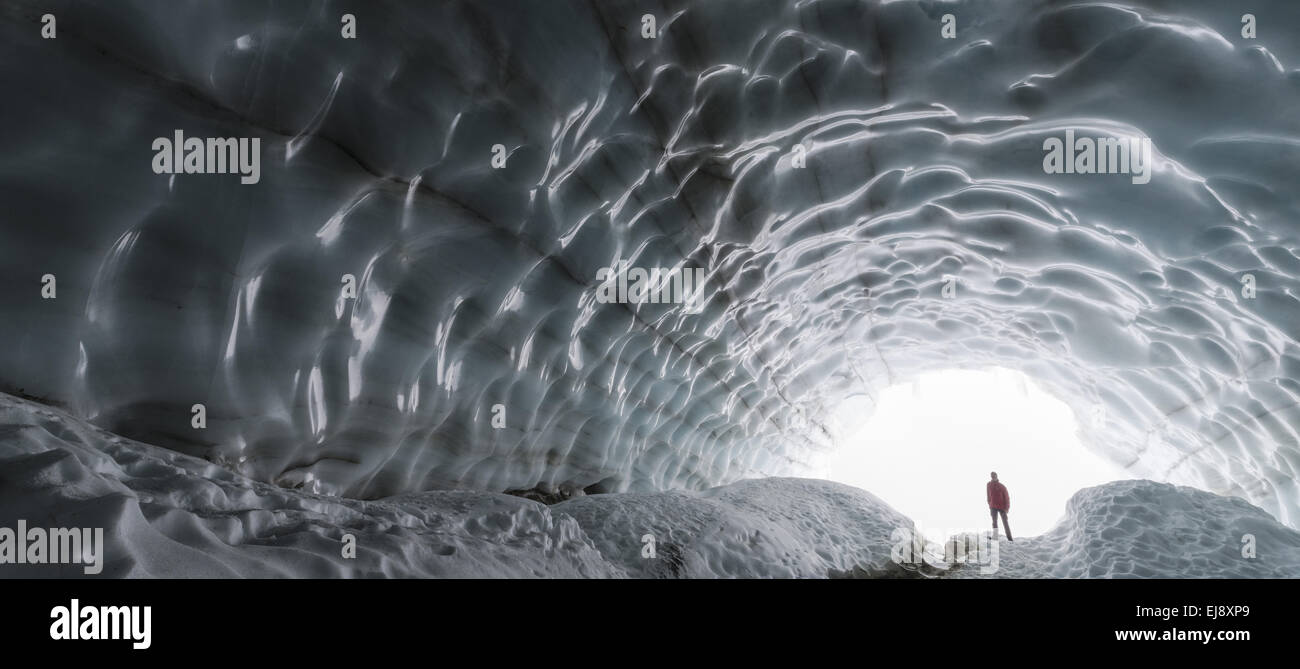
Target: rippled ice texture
[{"x": 477, "y": 286}]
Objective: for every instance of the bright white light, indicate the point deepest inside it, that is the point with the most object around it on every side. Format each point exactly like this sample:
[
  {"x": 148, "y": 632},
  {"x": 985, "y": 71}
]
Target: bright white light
[{"x": 929, "y": 447}]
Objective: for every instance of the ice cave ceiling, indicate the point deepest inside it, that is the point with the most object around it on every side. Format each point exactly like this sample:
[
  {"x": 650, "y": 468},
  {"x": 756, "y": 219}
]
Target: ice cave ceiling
[{"x": 1164, "y": 313}]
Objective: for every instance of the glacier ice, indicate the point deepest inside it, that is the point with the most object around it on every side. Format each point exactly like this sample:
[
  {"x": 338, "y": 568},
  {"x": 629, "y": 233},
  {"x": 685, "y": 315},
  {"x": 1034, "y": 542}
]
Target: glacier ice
[{"x": 476, "y": 287}]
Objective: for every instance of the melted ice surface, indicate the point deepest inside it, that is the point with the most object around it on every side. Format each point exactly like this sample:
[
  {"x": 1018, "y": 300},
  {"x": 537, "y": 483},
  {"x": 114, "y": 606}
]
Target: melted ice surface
[{"x": 477, "y": 286}]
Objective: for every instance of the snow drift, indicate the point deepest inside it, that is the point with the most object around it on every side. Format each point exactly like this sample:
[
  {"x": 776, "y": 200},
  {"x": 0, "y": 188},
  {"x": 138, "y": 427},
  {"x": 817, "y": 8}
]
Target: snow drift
[{"x": 167, "y": 514}]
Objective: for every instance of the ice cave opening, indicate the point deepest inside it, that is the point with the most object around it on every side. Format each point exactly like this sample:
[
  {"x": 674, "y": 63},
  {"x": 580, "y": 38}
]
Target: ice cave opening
[
  {"x": 926, "y": 447},
  {"x": 399, "y": 333}
]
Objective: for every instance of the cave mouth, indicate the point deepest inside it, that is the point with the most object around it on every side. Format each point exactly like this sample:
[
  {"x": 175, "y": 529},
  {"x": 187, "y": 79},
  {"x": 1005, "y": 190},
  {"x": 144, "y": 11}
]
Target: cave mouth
[{"x": 926, "y": 447}]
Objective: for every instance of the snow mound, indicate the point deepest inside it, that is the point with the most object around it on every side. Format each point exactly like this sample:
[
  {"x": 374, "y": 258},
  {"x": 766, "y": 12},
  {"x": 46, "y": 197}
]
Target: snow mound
[
  {"x": 774, "y": 527},
  {"x": 1145, "y": 529},
  {"x": 165, "y": 514}
]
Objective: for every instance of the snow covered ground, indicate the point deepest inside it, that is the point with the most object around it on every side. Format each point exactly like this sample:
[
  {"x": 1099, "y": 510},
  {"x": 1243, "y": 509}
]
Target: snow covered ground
[
  {"x": 1146, "y": 529},
  {"x": 774, "y": 527},
  {"x": 167, "y": 514}
]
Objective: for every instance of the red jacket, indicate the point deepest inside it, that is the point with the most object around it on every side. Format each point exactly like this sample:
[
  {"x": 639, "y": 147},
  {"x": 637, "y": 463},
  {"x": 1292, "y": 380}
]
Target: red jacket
[{"x": 998, "y": 496}]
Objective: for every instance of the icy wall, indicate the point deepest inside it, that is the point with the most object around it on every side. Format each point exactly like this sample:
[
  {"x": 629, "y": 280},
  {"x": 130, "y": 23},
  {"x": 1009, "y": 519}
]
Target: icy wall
[{"x": 868, "y": 200}]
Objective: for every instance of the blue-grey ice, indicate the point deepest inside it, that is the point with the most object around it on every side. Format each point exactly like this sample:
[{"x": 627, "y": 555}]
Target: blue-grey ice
[{"x": 867, "y": 199}]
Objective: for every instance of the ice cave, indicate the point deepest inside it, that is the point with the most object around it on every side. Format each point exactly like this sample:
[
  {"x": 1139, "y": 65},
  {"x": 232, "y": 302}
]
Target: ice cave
[{"x": 587, "y": 289}]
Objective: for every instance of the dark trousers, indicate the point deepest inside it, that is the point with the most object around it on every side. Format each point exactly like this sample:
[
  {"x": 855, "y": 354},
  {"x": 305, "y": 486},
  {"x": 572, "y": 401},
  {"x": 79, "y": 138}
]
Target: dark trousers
[{"x": 1005, "y": 525}]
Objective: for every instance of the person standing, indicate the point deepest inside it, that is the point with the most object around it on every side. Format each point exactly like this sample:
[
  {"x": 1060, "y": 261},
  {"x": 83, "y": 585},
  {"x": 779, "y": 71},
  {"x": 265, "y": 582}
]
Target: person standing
[{"x": 999, "y": 503}]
